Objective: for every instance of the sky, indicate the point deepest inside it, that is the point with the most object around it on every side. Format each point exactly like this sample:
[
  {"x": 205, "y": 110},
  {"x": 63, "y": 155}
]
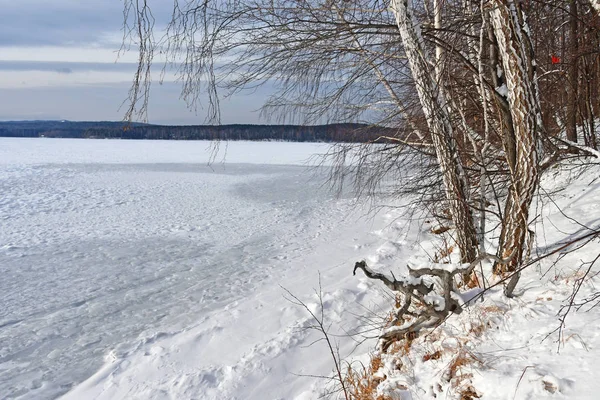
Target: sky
[{"x": 59, "y": 60}]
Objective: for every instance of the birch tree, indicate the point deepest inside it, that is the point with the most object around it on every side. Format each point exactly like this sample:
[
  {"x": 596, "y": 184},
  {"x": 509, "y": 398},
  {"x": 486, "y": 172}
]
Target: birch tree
[
  {"x": 435, "y": 108},
  {"x": 517, "y": 58}
]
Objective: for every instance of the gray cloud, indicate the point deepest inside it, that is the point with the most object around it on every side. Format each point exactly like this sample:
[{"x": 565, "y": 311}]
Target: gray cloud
[
  {"x": 65, "y": 22},
  {"x": 27, "y": 24},
  {"x": 102, "y": 102},
  {"x": 57, "y": 22},
  {"x": 66, "y": 67}
]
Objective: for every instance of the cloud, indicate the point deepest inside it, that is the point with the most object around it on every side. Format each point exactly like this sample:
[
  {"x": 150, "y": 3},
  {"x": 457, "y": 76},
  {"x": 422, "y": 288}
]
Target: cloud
[
  {"x": 33, "y": 74},
  {"x": 103, "y": 102},
  {"x": 66, "y": 67},
  {"x": 57, "y": 22},
  {"x": 58, "y": 59},
  {"x": 67, "y": 22},
  {"x": 64, "y": 70}
]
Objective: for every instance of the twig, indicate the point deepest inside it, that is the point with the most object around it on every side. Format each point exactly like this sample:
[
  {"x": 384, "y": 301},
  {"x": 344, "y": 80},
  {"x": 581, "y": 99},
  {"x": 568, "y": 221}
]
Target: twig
[{"x": 321, "y": 327}]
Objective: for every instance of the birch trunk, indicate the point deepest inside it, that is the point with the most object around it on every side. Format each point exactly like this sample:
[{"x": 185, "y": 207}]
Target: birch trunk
[
  {"x": 515, "y": 51},
  {"x": 438, "y": 120}
]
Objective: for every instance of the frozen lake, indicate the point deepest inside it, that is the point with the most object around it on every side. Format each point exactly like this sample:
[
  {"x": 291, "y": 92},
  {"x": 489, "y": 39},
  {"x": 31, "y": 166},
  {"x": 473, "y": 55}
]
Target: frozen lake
[{"x": 110, "y": 248}]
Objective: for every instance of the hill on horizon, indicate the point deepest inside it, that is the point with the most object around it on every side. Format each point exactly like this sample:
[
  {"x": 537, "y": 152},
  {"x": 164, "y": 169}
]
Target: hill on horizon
[{"x": 340, "y": 132}]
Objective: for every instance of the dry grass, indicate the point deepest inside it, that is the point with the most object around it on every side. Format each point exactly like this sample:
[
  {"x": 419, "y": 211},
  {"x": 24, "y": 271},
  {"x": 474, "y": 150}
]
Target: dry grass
[
  {"x": 472, "y": 281},
  {"x": 493, "y": 309},
  {"x": 440, "y": 230},
  {"x": 443, "y": 253},
  {"x": 456, "y": 375},
  {"x": 460, "y": 366},
  {"x": 362, "y": 384},
  {"x": 550, "y": 387},
  {"x": 432, "y": 356},
  {"x": 477, "y": 330},
  {"x": 469, "y": 393},
  {"x": 402, "y": 347}
]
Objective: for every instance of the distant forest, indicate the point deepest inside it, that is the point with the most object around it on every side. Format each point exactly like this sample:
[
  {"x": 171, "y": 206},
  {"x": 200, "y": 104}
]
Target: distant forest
[{"x": 122, "y": 130}]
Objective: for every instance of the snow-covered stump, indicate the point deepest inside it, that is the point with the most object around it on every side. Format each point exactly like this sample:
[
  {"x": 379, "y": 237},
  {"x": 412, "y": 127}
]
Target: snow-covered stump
[{"x": 430, "y": 296}]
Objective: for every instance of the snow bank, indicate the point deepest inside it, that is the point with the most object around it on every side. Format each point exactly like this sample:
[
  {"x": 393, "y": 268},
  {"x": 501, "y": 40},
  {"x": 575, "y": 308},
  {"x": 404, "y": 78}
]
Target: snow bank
[
  {"x": 154, "y": 280},
  {"x": 501, "y": 348}
]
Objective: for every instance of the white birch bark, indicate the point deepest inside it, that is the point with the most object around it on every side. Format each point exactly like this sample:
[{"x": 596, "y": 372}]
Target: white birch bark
[
  {"x": 438, "y": 120},
  {"x": 437, "y": 24},
  {"x": 486, "y": 135},
  {"x": 515, "y": 51}
]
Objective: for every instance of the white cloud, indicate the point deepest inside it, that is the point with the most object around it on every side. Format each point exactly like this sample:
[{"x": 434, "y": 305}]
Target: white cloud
[
  {"x": 66, "y": 54},
  {"x": 40, "y": 79},
  {"x": 58, "y": 60},
  {"x": 102, "y": 102}
]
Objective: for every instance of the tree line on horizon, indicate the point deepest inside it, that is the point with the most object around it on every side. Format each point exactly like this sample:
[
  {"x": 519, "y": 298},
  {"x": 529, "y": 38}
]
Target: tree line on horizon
[{"x": 121, "y": 130}]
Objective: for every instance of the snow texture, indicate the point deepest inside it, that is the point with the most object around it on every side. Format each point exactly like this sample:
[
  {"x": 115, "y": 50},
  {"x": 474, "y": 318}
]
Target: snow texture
[
  {"x": 132, "y": 270},
  {"x": 501, "y": 348}
]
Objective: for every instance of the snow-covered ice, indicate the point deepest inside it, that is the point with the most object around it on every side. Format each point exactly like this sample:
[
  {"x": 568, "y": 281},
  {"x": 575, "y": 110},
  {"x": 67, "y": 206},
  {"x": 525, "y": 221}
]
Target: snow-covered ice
[{"x": 132, "y": 269}]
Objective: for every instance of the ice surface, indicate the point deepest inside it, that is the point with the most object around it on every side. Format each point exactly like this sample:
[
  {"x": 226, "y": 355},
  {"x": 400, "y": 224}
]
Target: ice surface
[
  {"x": 70, "y": 151},
  {"x": 132, "y": 270},
  {"x": 136, "y": 265}
]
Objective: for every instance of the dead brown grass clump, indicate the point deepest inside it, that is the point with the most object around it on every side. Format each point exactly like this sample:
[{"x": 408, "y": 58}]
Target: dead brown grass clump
[
  {"x": 469, "y": 393},
  {"x": 444, "y": 251},
  {"x": 492, "y": 309},
  {"x": 402, "y": 347},
  {"x": 362, "y": 384},
  {"x": 459, "y": 375},
  {"x": 432, "y": 356},
  {"x": 457, "y": 370},
  {"x": 477, "y": 330},
  {"x": 440, "y": 230},
  {"x": 472, "y": 281},
  {"x": 550, "y": 387}
]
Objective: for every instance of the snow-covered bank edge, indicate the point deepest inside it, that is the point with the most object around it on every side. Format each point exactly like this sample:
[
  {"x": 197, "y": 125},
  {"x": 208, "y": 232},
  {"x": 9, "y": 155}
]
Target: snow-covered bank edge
[{"x": 501, "y": 348}]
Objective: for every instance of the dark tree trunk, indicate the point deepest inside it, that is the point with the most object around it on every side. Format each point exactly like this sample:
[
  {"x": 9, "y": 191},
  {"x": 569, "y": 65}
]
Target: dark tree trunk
[{"x": 572, "y": 91}]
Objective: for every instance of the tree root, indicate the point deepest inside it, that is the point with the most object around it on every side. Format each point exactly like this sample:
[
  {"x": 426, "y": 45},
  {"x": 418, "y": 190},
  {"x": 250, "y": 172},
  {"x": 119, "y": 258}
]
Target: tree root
[{"x": 425, "y": 307}]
